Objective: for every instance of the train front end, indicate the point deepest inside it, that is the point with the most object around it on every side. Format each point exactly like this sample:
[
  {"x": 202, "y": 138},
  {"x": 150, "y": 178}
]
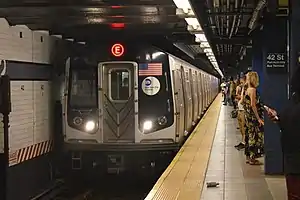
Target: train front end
[{"x": 119, "y": 115}]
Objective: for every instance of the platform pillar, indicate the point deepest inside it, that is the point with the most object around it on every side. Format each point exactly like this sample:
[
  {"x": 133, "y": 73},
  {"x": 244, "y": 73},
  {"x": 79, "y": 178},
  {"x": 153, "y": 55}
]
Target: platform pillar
[
  {"x": 275, "y": 86},
  {"x": 294, "y": 35}
]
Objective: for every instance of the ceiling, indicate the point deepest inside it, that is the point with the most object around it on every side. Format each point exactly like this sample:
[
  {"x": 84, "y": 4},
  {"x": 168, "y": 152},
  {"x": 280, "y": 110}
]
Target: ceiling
[
  {"x": 156, "y": 20},
  {"x": 228, "y": 25}
]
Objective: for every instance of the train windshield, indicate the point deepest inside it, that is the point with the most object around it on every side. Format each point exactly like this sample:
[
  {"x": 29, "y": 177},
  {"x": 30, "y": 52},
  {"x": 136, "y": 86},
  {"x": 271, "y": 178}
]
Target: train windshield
[{"x": 83, "y": 88}]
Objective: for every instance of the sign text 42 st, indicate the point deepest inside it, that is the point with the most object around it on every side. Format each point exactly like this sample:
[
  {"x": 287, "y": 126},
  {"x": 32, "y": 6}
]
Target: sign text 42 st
[{"x": 276, "y": 60}]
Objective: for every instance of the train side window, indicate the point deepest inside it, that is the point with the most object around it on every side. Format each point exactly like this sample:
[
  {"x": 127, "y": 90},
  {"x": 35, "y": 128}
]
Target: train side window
[{"x": 120, "y": 89}]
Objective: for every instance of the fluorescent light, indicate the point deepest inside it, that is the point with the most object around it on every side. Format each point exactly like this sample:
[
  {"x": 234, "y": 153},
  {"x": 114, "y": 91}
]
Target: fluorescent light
[
  {"x": 193, "y": 22},
  {"x": 207, "y": 50},
  {"x": 201, "y": 36},
  {"x": 180, "y": 12},
  {"x": 184, "y": 4},
  {"x": 204, "y": 44}
]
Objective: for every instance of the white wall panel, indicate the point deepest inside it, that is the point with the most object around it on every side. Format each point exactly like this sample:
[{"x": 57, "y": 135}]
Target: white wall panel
[
  {"x": 21, "y": 117},
  {"x": 5, "y": 38},
  {"x": 34, "y": 46},
  {"x": 20, "y": 44},
  {"x": 41, "y": 111},
  {"x": 42, "y": 46}
]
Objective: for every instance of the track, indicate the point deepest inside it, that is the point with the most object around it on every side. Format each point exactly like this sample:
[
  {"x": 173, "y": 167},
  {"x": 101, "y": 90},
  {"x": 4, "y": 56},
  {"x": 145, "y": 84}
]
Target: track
[
  {"x": 110, "y": 187},
  {"x": 118, "y": 188}
]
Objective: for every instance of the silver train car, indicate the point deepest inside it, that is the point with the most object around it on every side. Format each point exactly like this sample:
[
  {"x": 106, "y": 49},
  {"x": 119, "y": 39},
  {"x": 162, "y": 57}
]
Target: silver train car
[{"x": 131, "y": 108}]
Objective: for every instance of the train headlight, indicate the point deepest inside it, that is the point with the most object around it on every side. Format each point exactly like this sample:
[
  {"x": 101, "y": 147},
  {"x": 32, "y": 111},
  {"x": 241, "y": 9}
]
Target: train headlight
[
  {"x": 162, "y": 120},
  {"x": 90, "y": 126},
  {"x": 147, "y": 125}
]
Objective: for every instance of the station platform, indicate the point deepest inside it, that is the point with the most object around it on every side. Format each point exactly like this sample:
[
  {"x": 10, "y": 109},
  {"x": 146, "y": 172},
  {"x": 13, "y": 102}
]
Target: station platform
[{"x": 209, "y": 156}]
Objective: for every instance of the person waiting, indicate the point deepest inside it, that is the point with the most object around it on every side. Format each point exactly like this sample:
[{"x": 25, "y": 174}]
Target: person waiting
[
  {"x": 254, "y": 137},
  {"x": 240, "y": 90}
]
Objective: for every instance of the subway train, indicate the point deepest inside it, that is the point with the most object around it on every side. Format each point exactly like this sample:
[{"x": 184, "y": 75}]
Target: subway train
[{"x": 130, "y": 107}]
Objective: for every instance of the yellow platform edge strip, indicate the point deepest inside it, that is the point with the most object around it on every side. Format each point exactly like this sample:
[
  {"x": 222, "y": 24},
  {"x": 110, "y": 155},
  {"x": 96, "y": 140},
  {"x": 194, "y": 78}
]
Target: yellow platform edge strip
[{"x": 165, "y": 174}]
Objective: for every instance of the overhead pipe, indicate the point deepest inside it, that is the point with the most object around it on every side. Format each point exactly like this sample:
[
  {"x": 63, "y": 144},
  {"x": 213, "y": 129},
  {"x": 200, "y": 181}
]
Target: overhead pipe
[
  {"x": 216, "y": 8},
  {"x": 211, "y": 21},
  {"x": 260, "y": 5},
  {"x": 234, "y": 19},
  {"x": 219, "y": 23},
  {"x": 239, "y": 21},
  {"x": 240, "y": 17},
  {"x": 227, "y": 17},
  {"x": 221, "y": 18}
]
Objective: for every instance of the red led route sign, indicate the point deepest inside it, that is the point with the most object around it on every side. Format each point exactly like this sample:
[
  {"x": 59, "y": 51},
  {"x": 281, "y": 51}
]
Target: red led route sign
[{"x": 117, "y": 50}]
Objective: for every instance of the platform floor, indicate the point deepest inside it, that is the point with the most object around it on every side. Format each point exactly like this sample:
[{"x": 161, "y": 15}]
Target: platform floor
[{"x": 209, "y": 155}]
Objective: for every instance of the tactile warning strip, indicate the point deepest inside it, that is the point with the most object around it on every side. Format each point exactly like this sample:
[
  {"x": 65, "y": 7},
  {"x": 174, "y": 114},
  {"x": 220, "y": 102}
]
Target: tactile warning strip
[{"x": 184, "y": 177}]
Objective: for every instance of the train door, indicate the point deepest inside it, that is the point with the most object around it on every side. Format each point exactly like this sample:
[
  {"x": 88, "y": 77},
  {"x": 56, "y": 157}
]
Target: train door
[
  {"x": 186, "y": 100},
  {"x": 195, "y": 94},
  {"x": 179, "y": 102},
  {"x": 206, "y": 91},
  {"x": 189, "y": 99},
  {"x": 191, "y": 81},
  {"x": 203, "y": 92},
  {"x": 199, "y": 93},
  {"x": 117, "y": 84}
]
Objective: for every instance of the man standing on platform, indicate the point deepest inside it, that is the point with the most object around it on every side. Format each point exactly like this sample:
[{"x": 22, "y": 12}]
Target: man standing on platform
[{"x": 241, "y": 112}]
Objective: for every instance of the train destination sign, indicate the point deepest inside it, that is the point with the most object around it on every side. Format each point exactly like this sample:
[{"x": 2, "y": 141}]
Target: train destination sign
[{"x": 117, "y": 50}]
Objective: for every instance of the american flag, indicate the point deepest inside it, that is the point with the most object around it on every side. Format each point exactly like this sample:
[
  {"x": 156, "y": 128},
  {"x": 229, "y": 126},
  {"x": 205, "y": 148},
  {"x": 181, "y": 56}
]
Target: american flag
[{"x": 150, "y": 69}]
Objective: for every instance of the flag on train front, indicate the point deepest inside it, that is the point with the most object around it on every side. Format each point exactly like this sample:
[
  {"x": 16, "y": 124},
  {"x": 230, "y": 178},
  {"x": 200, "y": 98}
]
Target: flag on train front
[{"x": 150, "y": 69}]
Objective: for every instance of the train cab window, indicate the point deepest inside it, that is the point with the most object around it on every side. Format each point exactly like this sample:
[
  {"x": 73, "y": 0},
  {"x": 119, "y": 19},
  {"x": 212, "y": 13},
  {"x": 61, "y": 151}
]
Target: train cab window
[
  {"x": 83, "y": 88},
  {"x": 120, "y": 84}
]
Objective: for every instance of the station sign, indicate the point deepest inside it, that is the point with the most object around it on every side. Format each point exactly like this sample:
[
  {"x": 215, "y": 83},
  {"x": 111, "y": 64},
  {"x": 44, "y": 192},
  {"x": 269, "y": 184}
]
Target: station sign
[
  {"x": 117, "y": 50},
  {"x": 276, "y": 62}
]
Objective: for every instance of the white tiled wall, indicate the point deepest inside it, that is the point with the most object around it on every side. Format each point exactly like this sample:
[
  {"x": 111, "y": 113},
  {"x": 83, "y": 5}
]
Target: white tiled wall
[
  {"x": 21, "y": 117},
  {"x": 19, "y": 43},
  {"x": 41, "y": 109},
  {"x": 30, "y": 116},
  {"x": 42, "y": 47},
  {"x": 20, "y": 48}
]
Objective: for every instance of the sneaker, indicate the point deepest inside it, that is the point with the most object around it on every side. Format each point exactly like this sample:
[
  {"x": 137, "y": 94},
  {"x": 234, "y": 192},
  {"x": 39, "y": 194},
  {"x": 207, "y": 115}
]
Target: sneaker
[{"x": 240, "y": 146}]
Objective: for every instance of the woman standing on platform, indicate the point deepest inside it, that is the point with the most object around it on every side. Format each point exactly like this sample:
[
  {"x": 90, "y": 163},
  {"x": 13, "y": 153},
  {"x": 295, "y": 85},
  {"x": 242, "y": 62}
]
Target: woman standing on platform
[
  {"x": 289, "y": 123},
  {"x": 254, "y": 138}
]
